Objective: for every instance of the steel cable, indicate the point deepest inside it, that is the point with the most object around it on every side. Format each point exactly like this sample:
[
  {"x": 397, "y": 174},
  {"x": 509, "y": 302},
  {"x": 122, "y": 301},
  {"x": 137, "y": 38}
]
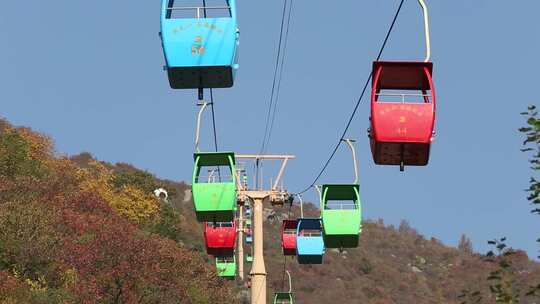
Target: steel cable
[
  {"x": 271, "y": 105},
  {"x": 353, "y": 114}
]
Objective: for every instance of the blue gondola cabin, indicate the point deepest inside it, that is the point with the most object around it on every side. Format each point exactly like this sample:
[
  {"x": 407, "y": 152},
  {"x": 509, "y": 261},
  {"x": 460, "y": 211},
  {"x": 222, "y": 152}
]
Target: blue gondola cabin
[
  {"x": 309, "y": 241},
  {"x": 200, "y": 40}
]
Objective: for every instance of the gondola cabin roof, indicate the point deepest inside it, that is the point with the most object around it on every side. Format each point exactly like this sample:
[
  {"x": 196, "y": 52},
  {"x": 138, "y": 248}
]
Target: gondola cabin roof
[
  {"x": 308, "y": 223},
  {"x": 340, "y": 191},
  {"x": 402, "y": 75},
  {"x": 289, "y": 224},
  {"x": 214, "y": 158}
]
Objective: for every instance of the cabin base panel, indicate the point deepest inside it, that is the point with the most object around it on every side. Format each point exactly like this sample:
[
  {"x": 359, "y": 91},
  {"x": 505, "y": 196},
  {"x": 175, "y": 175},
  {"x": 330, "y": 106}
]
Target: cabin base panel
[
  {"x": 215, "y": 216},
  {"x": 396, "y": 153},
  {"x": 220, "y": 251},
  {"x": 230, "y": 277},
  {"x": 200, "y": 77},
  {"x": 341, "y": 241},
  {"x": 291, "y": 252},
  {"x": 310, "y": 259}
]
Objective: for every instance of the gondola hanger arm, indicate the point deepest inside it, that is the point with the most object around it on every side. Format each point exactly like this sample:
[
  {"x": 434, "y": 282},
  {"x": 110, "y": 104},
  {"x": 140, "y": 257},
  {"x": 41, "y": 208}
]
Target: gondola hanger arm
[
  {"x": 318, "y": 189},
  {"x": 426, "y": 29},
  {"x": 301, "y": 205},
  {"x": 203, "y": 105},
  {"x": 290, "y": 281},
  {"x": 350, "y": 143}
]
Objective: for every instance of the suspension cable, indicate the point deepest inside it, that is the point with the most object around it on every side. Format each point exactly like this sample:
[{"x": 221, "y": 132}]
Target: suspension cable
[
  {"x": 214, "y": 127},
  {"x": 353, "y": 114},
  {"x": 274, "y": 81},
  {"x": 284, "y": 256},
  {"x": 213, "y": 119},
  {"x": 282, "y": 64}
]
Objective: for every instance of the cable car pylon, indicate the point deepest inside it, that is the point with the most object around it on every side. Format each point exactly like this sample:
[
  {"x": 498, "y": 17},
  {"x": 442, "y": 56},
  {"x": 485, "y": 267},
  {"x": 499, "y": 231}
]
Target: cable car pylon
[
  {"x": 241, "y": 220},
  {"x": 240, "y": 244},
  {"x": 275, "y": 195}
]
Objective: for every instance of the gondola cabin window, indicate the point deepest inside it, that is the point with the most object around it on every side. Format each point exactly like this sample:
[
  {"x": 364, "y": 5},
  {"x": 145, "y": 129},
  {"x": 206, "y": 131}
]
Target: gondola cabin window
[
  {"x": 214, "y": 174},
  {"x": 404, "y": 96},
  {"x": 198, "y": 9},
  {"x": 289, "y": 231},
  {"x": 311, "y": 233},
  {"x": 341, "y": 205},
  {"x": 220, "y": 225},
  {"x": 225, "y": 260}
]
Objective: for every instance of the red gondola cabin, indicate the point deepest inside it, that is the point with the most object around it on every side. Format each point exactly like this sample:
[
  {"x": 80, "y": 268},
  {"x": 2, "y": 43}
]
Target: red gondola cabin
[
  {"x": 220, "y": 238},
  {"x": 402, "y": 113},
  {"x": 288, "y": 237}
]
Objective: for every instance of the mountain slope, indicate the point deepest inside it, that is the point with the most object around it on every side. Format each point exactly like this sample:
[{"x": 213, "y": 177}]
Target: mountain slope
[
  {"x": 76, "y": 230},
  {"x": 81, "y": 231}
]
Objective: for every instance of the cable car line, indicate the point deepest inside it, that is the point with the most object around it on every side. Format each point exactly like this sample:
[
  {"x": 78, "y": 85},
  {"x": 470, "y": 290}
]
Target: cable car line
[
  {"x": 271, "y": 100},
  {"x": 213, "y": 120},
  {"x": 214, "y": 124},
  {"x": 278, "y": 71},
  {"x": 353, "y": 114},
  {"x": 271, "y": 104},
  {"x": 284, "y": 256},
  {"x": 280, "y": 77}
]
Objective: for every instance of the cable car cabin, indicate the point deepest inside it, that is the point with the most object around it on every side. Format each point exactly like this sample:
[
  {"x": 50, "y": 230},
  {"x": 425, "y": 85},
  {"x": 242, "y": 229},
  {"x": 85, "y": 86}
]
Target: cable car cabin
[
  {"x": 288, "y": 237},
  {"x": 199, "y": 40},
  {"x": 341, "y": 215},
  {"x": 249, "y": 258},
  {"x": 214, "y": 186},
  {"x": 309, "y": 241},
  {"x": 220, "y": 238},
  {"x": 249, "y": 238},
  {"x": 226, "y": 266},
  {"x": 283, "y": 298},
  {"x": 402, "y": 113}
]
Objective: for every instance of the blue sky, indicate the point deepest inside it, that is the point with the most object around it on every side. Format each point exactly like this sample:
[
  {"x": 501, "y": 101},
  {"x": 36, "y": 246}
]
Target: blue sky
[{"x": 89, "y": 74}]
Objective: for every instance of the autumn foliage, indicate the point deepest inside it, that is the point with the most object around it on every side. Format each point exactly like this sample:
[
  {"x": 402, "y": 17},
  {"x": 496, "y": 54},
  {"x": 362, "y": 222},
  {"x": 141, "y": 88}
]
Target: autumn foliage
[{"x": 90, "y": 234}]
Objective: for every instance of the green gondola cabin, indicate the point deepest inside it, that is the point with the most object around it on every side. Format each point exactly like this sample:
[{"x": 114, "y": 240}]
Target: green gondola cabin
[
  {"x": 283, "y": 298},
  {"x": 214, "y": 186},
  {"x": 341, "y": 214},
  {"x": 226, "y": 266}
]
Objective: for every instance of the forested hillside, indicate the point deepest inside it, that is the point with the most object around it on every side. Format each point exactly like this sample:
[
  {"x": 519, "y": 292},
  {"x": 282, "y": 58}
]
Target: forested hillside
[
  {"x": 76, "y": 230},
  {"x": 90, "y": 234}
]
